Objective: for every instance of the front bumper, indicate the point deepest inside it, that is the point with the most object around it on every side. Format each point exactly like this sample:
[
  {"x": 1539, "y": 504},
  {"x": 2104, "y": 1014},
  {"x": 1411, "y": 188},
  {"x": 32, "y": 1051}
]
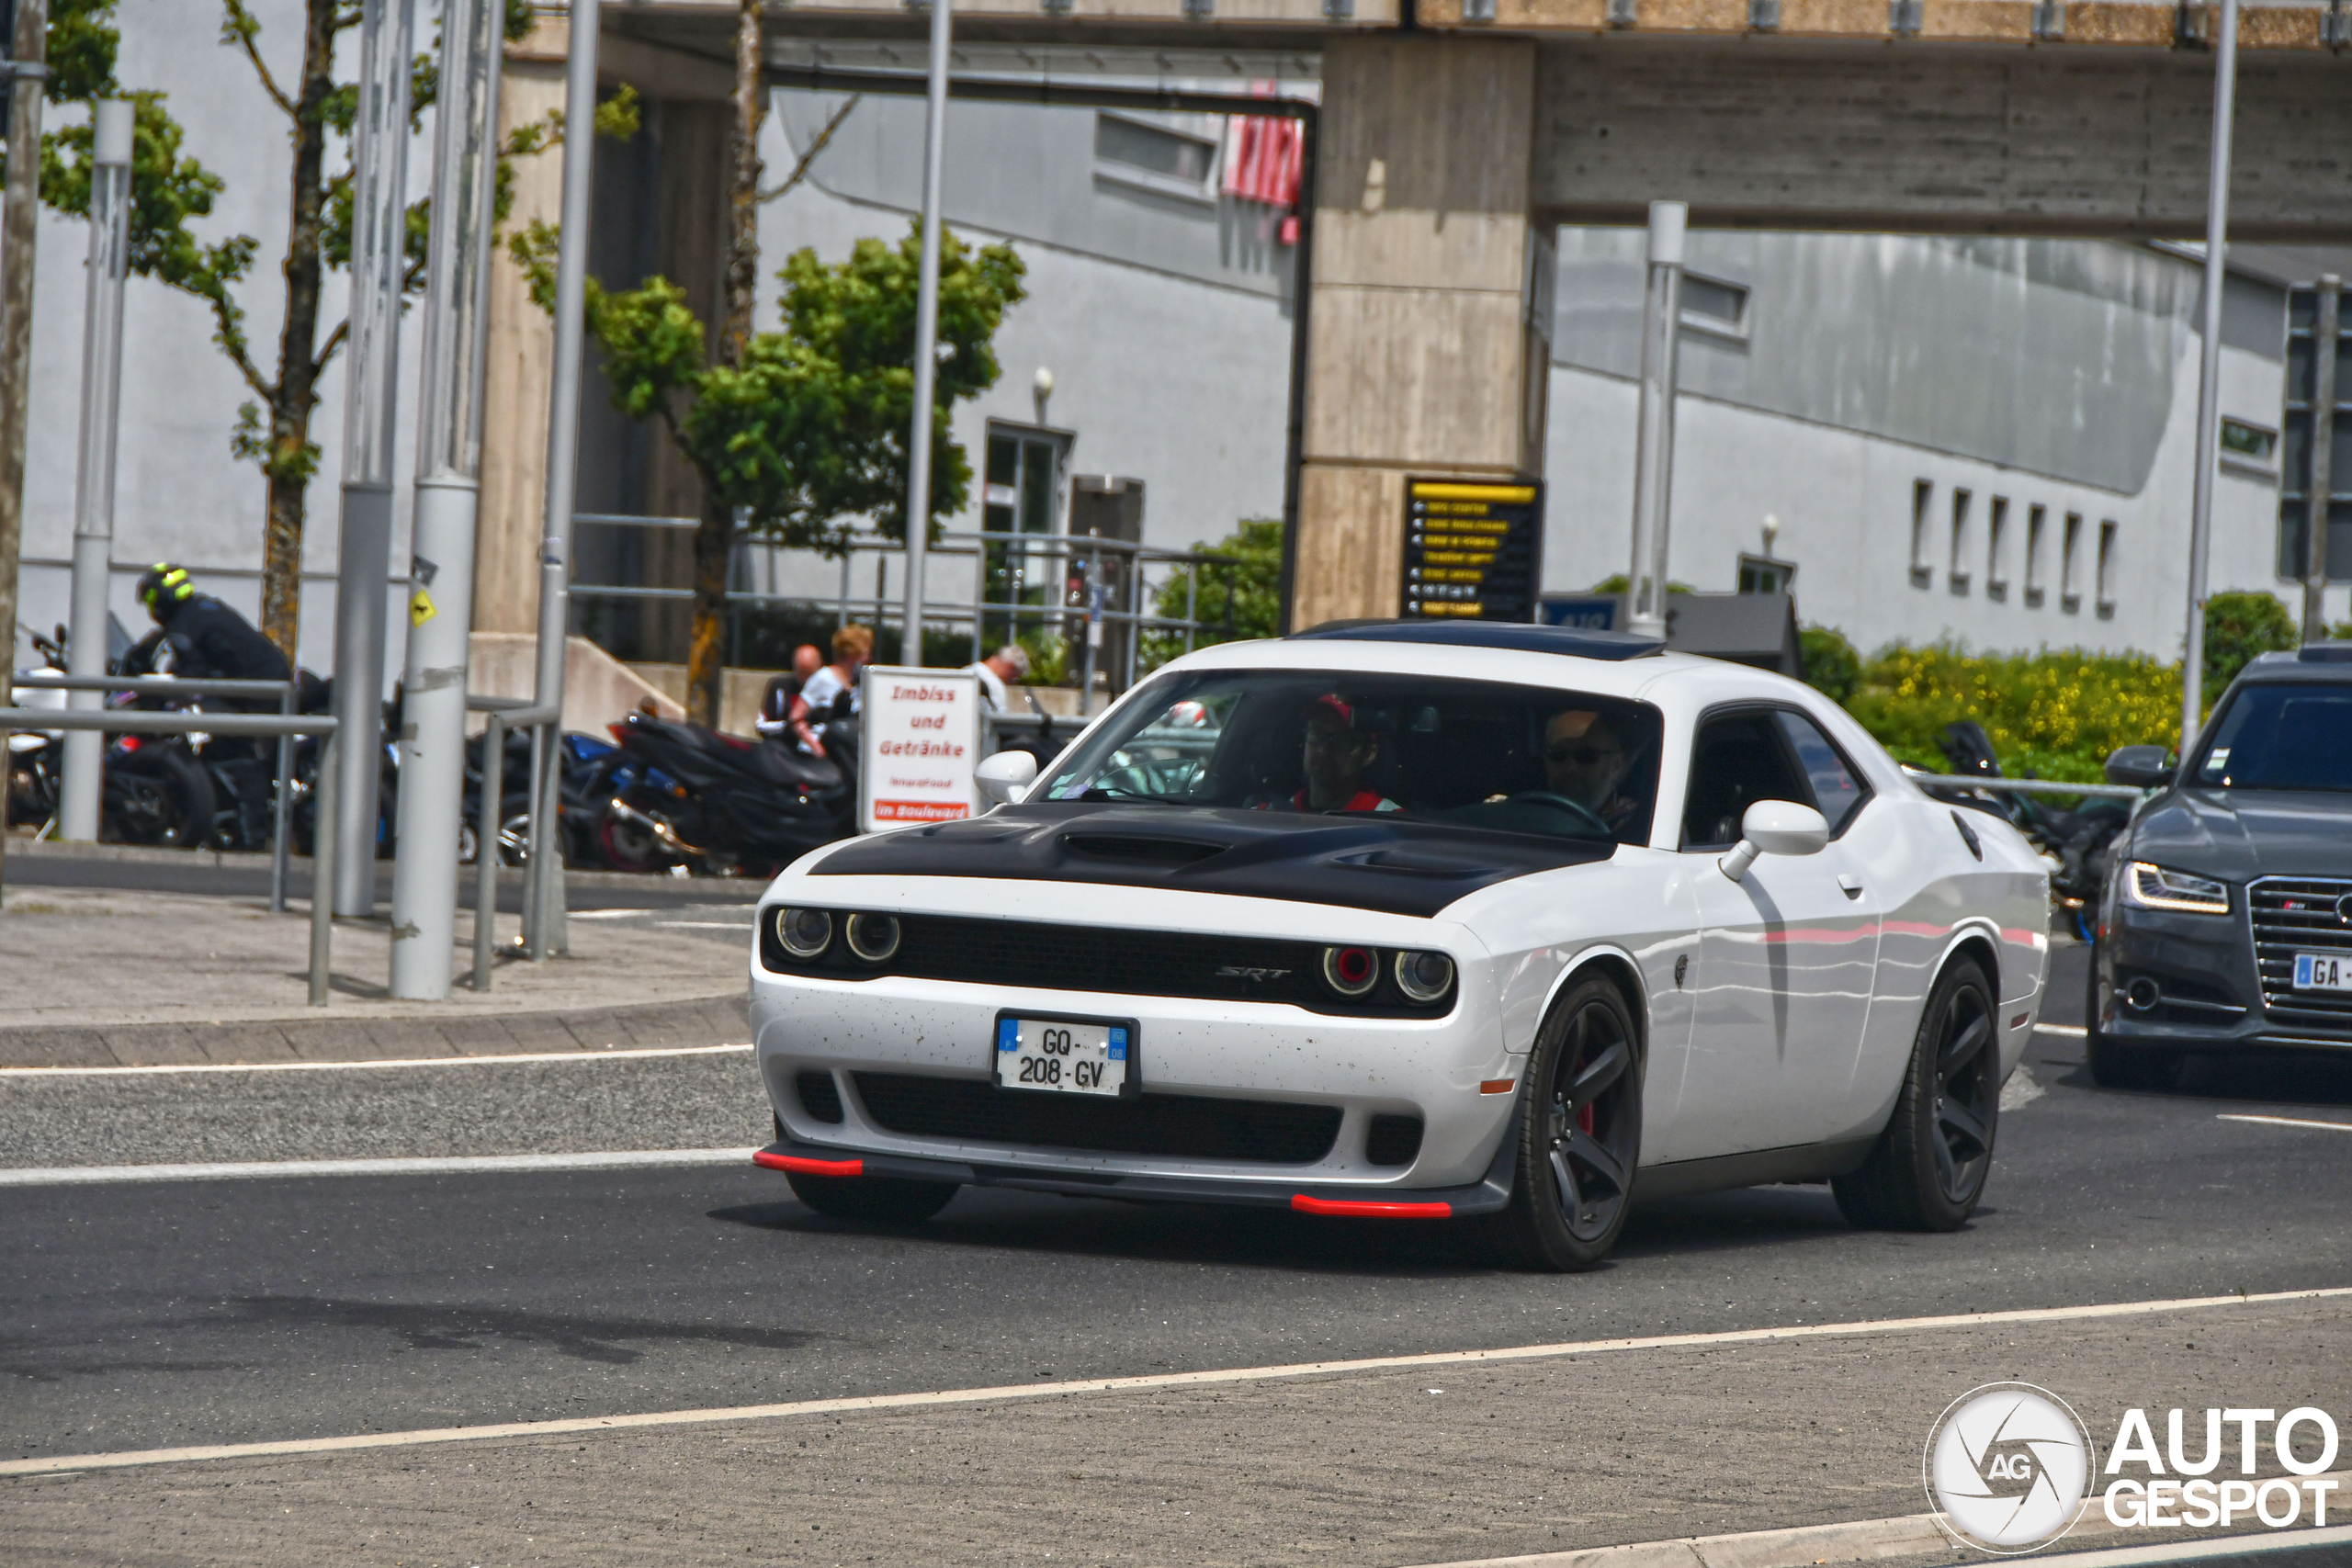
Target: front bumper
[
  {"x": 1485, "y": 1196},
  {"x": 2166, "y": 980}
]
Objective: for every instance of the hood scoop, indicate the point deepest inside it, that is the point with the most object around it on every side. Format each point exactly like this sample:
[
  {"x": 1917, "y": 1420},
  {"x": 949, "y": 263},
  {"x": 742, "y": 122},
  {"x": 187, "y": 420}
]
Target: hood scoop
[
  {"x": 1139, "y": 849},
  {"x": 1406, "y": 864}
]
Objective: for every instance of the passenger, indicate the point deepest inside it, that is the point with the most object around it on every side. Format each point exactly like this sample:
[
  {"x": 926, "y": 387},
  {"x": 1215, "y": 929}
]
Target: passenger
[
  {"x": 852, "y": 651},
  {"x": 1585, "y": 761},
  {"x": 1335, "y": 755}
]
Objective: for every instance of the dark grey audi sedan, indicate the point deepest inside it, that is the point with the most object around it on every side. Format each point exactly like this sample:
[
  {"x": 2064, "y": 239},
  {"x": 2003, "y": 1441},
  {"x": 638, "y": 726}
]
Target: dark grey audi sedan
[{"x": 2227, "y": 923}]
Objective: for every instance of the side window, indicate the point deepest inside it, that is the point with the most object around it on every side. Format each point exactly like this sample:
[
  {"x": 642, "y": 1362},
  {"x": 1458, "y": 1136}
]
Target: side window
[
  {"x": 1837, "y": 792},
  {"x": 1737, "y": 761}
]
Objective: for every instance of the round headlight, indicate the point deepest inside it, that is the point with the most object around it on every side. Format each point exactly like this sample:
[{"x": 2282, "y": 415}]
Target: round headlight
[
  {"x": 1424, "y": 977},
  {"x": 874, "y": 937},
  {"x": 805, "y": 934},
  {"x": 1351, "y": 971}
]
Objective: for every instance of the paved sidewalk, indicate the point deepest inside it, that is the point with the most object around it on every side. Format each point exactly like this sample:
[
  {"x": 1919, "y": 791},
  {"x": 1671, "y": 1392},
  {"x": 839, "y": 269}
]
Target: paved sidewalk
[{"x": 96, "y": 977}]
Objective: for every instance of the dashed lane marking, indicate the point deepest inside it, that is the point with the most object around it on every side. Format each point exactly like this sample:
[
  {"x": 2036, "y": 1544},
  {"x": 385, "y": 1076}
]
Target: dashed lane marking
[
  {"x": 635, "y": 1053},
  {"x": 2287, "y": 1121},
  {"x": 54, "y": 1464},
  {"x": 453, "y": 1165},
  {"x": 2071, "y": 1031}
]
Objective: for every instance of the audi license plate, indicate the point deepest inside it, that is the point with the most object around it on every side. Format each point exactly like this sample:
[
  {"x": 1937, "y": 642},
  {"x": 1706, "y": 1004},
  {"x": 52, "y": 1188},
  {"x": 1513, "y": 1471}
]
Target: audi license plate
[
  {"x": 2322, "y": 972},
  {"x": 1062, "y": 1055}
]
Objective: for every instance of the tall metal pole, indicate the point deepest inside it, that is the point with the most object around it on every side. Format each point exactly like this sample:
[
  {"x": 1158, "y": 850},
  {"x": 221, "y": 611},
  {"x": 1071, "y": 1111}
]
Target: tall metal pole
[
  {"x": 109, "y": 269},
  {"x": 371, "y": 391},
  {"x": 546, "y": 868},
  {"x": 1654, "y": 437},
  {"x": 2208, "y": 378},
  {"x": 934, "y": 155},
  {"x": 20, "y": 226},
  {"x": 2327, "y": 326},
  {"x": 449, "y": 494}
]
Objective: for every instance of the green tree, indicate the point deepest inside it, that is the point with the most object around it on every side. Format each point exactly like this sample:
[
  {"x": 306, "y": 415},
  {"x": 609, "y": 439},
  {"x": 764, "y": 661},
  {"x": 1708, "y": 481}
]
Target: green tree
[
  {"x": 170, "y": 191},
  {"x": 1831, "y": 665},
  {"x": 1253, "y": 601},
  {"x": 2239, "y": 625},
  {"x": 810, "y": 429}
]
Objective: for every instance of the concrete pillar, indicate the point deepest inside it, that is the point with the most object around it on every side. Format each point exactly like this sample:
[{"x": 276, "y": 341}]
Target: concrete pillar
[
  {"x": 1428, "y": 320},
  {"x": 521, "y": 357}
]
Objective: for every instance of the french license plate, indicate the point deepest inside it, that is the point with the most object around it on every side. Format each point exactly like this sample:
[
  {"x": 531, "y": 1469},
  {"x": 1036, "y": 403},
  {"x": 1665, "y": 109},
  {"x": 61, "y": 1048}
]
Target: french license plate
[
  {"x": 1061, "y": 1055},
  {"x": 2322, "y": 972}
]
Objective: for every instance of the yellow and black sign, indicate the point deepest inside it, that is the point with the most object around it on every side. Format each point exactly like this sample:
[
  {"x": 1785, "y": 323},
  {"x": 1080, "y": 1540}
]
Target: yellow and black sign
[{"x": 1472, "y": 551}]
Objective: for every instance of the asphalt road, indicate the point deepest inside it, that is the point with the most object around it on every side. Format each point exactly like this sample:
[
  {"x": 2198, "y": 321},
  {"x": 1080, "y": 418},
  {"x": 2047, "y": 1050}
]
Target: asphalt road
[{"x": 160, "y": 1313}]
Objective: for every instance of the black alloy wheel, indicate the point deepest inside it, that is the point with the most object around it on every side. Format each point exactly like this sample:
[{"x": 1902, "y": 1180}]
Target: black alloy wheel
[
  {"x": 1579, "y": 1125},
  {"x": 2117, "y": 1066},
  {"x": 1928, "y": 1169}
]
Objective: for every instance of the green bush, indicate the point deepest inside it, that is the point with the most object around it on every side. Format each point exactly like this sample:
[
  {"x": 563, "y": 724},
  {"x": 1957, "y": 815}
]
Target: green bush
[
  {"x": 2055, "y": 715},
  {"x": 2239, "y": 625},
  {"x": 1831, "y": 665}
]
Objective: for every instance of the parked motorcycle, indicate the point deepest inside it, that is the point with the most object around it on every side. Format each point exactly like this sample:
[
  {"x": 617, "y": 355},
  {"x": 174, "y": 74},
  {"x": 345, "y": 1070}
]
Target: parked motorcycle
[
  {"x": 589, "y": 767},
  {"x": 684, "y": 795},
  {"x": 153, "y": 790},
  {"x": 2080, "y": 840}
]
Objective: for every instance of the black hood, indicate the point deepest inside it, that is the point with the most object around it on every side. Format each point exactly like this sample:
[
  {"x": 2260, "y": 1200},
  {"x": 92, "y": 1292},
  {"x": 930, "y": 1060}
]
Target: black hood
[
  {"x": 2238, "y": 835},
  {"x": 1356, "y": 863}
]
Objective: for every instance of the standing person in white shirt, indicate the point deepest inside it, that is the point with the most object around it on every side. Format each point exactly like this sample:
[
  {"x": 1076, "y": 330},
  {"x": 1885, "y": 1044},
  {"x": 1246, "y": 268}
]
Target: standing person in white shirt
[
  {"x": 852, "y": 651},
  {"x": 1010, "y": 662}
]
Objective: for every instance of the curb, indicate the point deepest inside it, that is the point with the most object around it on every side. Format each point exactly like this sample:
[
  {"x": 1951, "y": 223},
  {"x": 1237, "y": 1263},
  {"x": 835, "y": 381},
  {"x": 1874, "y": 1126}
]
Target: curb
[
  {"x": 350, "y": 1038},
  {"x": 22, "y": 848}
]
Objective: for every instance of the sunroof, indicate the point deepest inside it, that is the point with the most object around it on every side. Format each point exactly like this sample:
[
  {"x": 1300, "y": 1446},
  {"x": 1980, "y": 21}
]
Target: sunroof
[{"x": 1517, "y": 636}]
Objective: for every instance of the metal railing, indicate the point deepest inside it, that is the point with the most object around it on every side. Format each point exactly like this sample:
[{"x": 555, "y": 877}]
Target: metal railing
[
  {"x": 2027, "y": 787},
  {"x": 538, "y": 914},
  {"x": 173, "y": 686},
  {"x": 133, "y": 721}
]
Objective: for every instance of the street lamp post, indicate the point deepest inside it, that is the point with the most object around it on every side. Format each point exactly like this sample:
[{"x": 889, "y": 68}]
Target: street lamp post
[
  {"x": 1654, "y": 440},
  {"x": 2208, "y": 379},
  {"x": 77, "y": 808},
  {"x": 449, "y": 495},
  {"x": 935, "y": 155}
]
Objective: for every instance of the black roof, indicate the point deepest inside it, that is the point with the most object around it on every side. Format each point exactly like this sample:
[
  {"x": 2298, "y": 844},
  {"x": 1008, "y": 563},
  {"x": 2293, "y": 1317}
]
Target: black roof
[
  {"x": 2327, "y": 663},
  {"x": 1519, "y": 636}
]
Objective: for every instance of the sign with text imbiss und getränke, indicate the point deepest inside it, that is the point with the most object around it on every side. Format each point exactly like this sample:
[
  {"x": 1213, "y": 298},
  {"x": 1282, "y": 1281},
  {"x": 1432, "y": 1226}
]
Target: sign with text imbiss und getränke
[{"x": 921, "y": 740}]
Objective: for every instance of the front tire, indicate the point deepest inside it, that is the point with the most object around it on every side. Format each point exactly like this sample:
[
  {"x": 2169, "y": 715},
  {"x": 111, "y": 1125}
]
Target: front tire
[
  {"x": 1579, "y": 1127},
  {"x": 1928, "y": 1169}
]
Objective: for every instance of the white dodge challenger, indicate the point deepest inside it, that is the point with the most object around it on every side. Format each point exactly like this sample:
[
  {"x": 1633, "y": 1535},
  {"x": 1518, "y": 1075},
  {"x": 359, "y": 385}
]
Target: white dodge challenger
[{"x": 1415, "y": 920}]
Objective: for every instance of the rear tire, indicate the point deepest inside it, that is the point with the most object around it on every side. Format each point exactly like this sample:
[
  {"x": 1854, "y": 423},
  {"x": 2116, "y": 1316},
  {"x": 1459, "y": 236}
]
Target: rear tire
[
  {"x": 2117, "y": 1066},
  {"x": 887, "y": 1199},
  {"x": 1580, "y": 1130},
  {"x": 1928, "y": 1169}
]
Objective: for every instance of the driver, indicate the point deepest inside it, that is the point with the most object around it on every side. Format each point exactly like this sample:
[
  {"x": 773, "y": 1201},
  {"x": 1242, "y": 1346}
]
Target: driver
[
  {"x": 1584, "y": 758},
  {"x": 1334, "y": 757}
]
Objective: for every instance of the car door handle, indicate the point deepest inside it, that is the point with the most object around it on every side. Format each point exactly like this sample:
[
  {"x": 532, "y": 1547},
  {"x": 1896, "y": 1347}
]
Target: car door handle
[{"x": 1851, "y": 884}]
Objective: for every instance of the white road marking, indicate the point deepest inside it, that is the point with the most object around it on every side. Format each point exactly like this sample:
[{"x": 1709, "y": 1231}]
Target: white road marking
[
  {"x": 2071, "y": 1031},
  {"x": 454, "y": 1165},
  {"x": 606, "y": 914},
  {"x": 634, "y": 1054},
  {"x": 2287, "y": 1121},
  {"x": 739, "y": 1412},
  {"x": 746, "y": 927},
  {"x": 2021, "y": 1090}
]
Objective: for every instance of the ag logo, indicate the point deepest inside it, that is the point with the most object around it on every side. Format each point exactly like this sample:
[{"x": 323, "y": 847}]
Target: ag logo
[{"x": 2008, "y": 1467}]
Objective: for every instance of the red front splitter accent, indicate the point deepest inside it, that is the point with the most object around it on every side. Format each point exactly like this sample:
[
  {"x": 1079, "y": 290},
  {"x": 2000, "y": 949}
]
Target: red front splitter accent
[
  {"x": 1306, "y": 1205},
  {"x": 807, "y": 1166}
]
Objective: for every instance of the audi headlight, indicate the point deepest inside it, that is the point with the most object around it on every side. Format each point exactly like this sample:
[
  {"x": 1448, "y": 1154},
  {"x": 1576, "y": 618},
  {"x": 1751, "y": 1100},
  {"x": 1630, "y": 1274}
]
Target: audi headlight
[
  {"x": 805, "y": 934},
  {"x": 2147, "y": 887},
  {"x": 1424, "y": 977},
  {"x": 874, "y": 938}
]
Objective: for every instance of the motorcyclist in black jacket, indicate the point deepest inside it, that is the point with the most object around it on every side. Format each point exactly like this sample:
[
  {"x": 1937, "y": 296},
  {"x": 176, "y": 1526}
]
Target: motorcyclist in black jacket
[{"x": 208, "y": 640}]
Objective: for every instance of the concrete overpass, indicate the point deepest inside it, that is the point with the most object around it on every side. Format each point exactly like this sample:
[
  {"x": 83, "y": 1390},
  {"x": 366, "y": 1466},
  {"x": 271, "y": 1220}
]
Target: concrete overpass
[{"x": 1454, "y": 135}]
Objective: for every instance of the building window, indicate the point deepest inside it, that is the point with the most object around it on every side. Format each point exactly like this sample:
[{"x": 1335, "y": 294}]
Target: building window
[
  {"x": 1157, "y": 158},
  {"x": 1711, "y": 305},
  {"x": 1765, "y": 574},
  {"x": 1996, "y": 528},
  {"x": 1922, "y": 492},
  {"x": 1956, "y": 572},
  {"x": 2034, "y": 518},
  {"x": 2249, "y": 448},
  {"x": 1020, "y": 493},
  {"x": 2317, "y": 417},
  {"x": 2070, "y": 593},
  {"x": 2105, "y": 586}
]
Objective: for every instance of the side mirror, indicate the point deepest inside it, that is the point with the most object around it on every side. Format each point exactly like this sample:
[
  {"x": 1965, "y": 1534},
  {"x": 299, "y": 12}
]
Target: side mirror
[
  {"x": 1775, "y": 828},
  {"x": 1005, "y": 777},
  {"x": 2142, "y": 767}
]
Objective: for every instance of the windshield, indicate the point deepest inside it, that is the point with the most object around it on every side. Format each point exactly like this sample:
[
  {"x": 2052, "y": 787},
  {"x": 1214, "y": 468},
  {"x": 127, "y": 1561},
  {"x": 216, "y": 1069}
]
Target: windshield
[
  {"x": 1478, "y": 753},
  {"x": 2281, "y": 737}
]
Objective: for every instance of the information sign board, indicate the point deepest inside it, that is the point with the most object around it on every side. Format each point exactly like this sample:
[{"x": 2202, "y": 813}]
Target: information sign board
[
  {"x": 1472, "y": 551},
  {"x": 920, "y": 743}
]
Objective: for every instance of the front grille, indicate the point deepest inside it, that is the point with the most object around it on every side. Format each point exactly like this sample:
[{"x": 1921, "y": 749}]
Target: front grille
[
  {"x": 1393, "y": 1140},
  {"x": 2298, "y": 914},
  {"x": 1184, "y": 1126},
  {"x": 820, "y": 1098},
  {"x": 1052, "y": 957}
]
